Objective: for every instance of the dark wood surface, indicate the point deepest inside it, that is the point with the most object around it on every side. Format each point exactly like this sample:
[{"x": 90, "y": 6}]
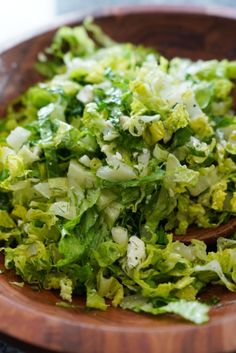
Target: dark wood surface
[
  {"x": 33, "y": 316},
  {"x": 210, "y": 235}
]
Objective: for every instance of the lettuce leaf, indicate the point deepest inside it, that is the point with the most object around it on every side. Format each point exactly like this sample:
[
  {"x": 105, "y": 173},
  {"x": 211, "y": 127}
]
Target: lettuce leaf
[
  {"x": 190, "y": 310},
  {"x": 102, "y": 163}
]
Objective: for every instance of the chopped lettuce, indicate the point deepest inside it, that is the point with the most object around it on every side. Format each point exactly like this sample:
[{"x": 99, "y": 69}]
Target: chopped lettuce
[
  {"x": 191, "y": 310},
  {"x": 103, "y": 162}
]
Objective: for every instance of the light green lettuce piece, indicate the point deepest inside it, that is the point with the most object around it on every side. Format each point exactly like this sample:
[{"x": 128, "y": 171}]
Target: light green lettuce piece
[
  {"x": 215, "y": 267},
  {"x": 110, "y": 288},
  {"x": 40, "y": 226},
  {"x": 177, "y": 119},
  {"x": 58, "y": 186},
  {"x": 224, "y": 243},
  {"x": 106, "y": 198},
  {"x": 79, "y": 176},
  {"x": 84, "y": 203},
  {"x": 99, "y": 35},
  {"x": 203, "y": 93},
  {"x": 204, "y": 70},
  {"x": 63, "y": 133},
  {"x": 107, "y": 253},
  {"x": 193, "y": 311},
  {"x": 66, "y": 286},
  {"x": 30, "y": 260},
  {"x": 116, "y": 170},
  {"x": 233, "y": 202},
  {"x": 63, "y": 209},
  {"x": 94, "y": 119},
  {"x": 218, "y": 194},
  {"x": 178, "y": 177},
  {"x": 120, "y": 235},
  {"x": 15, "y": 165},
  {"x": 71, "y": 249},
  {"x": 88, "y": 69},
  {"x": 12, "y": 233},
  {"x": 201, "y": 126},
  {"x": 160, "y": 154},
  {"x": 160, "y": 208},
  {"x": 136, "y": 124},
  {"x": 61, "y": 282},
  {"x": 222, "y": 88},
  {"x": 28, "y": 155},
  {"x": 231, "y": 143},
  {"x": 151, "y": 88},
  {"x": 207, "y": 177},
  {"x": 199, "y": 151},
  {"x": 226, "y": 258},
  {"x": 5, "y": 220},
  {"x": 190, "y": 310},
  {"x": 39, "y": 215},
  {"x": 77, "y": 40},
  {"x": 188, "y": 212},
  {"x": 52, "y": 111},
  {"x": 94, "y": 300},
  {"x": 43, "y": 189},
  {"x": 111, "y": 213},
  {"x": 18, "y": 137},
  {"x": 123, "y": 173},
  {"x": 196, "y": 251}
]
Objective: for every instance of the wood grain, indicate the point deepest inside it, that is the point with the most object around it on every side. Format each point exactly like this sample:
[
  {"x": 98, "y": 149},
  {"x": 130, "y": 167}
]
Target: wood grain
[
  {"x": 33, "y": 316},
  {"x": 208, "y": 235}
]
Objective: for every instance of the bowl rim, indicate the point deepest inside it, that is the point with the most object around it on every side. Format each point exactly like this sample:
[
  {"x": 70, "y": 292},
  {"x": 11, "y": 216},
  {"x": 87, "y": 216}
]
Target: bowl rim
[
  {"x": 10, "y": 303},
  {"x": 73, "y": 18}
]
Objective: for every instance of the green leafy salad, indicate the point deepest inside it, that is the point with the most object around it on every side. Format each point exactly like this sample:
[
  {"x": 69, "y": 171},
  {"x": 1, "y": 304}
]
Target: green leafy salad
[{"x": 105, "y": 160}]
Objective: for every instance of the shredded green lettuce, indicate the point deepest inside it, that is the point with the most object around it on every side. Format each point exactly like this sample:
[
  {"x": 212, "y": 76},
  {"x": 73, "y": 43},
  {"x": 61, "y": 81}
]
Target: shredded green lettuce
[{"x": 101, "y": 163}]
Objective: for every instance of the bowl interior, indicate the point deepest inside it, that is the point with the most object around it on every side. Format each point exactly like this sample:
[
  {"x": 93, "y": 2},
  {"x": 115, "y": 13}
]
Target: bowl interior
[{"x": 173, "y": 32}]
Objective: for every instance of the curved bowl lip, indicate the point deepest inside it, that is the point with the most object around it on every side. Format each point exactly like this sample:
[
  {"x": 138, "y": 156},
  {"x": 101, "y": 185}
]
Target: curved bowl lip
[
  {"x": 50, "y": 321},
  {"x": 73, "y": 19}
]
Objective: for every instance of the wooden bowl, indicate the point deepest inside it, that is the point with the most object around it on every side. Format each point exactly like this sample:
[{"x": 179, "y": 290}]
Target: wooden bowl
[{"x": 32, "y": 316}]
